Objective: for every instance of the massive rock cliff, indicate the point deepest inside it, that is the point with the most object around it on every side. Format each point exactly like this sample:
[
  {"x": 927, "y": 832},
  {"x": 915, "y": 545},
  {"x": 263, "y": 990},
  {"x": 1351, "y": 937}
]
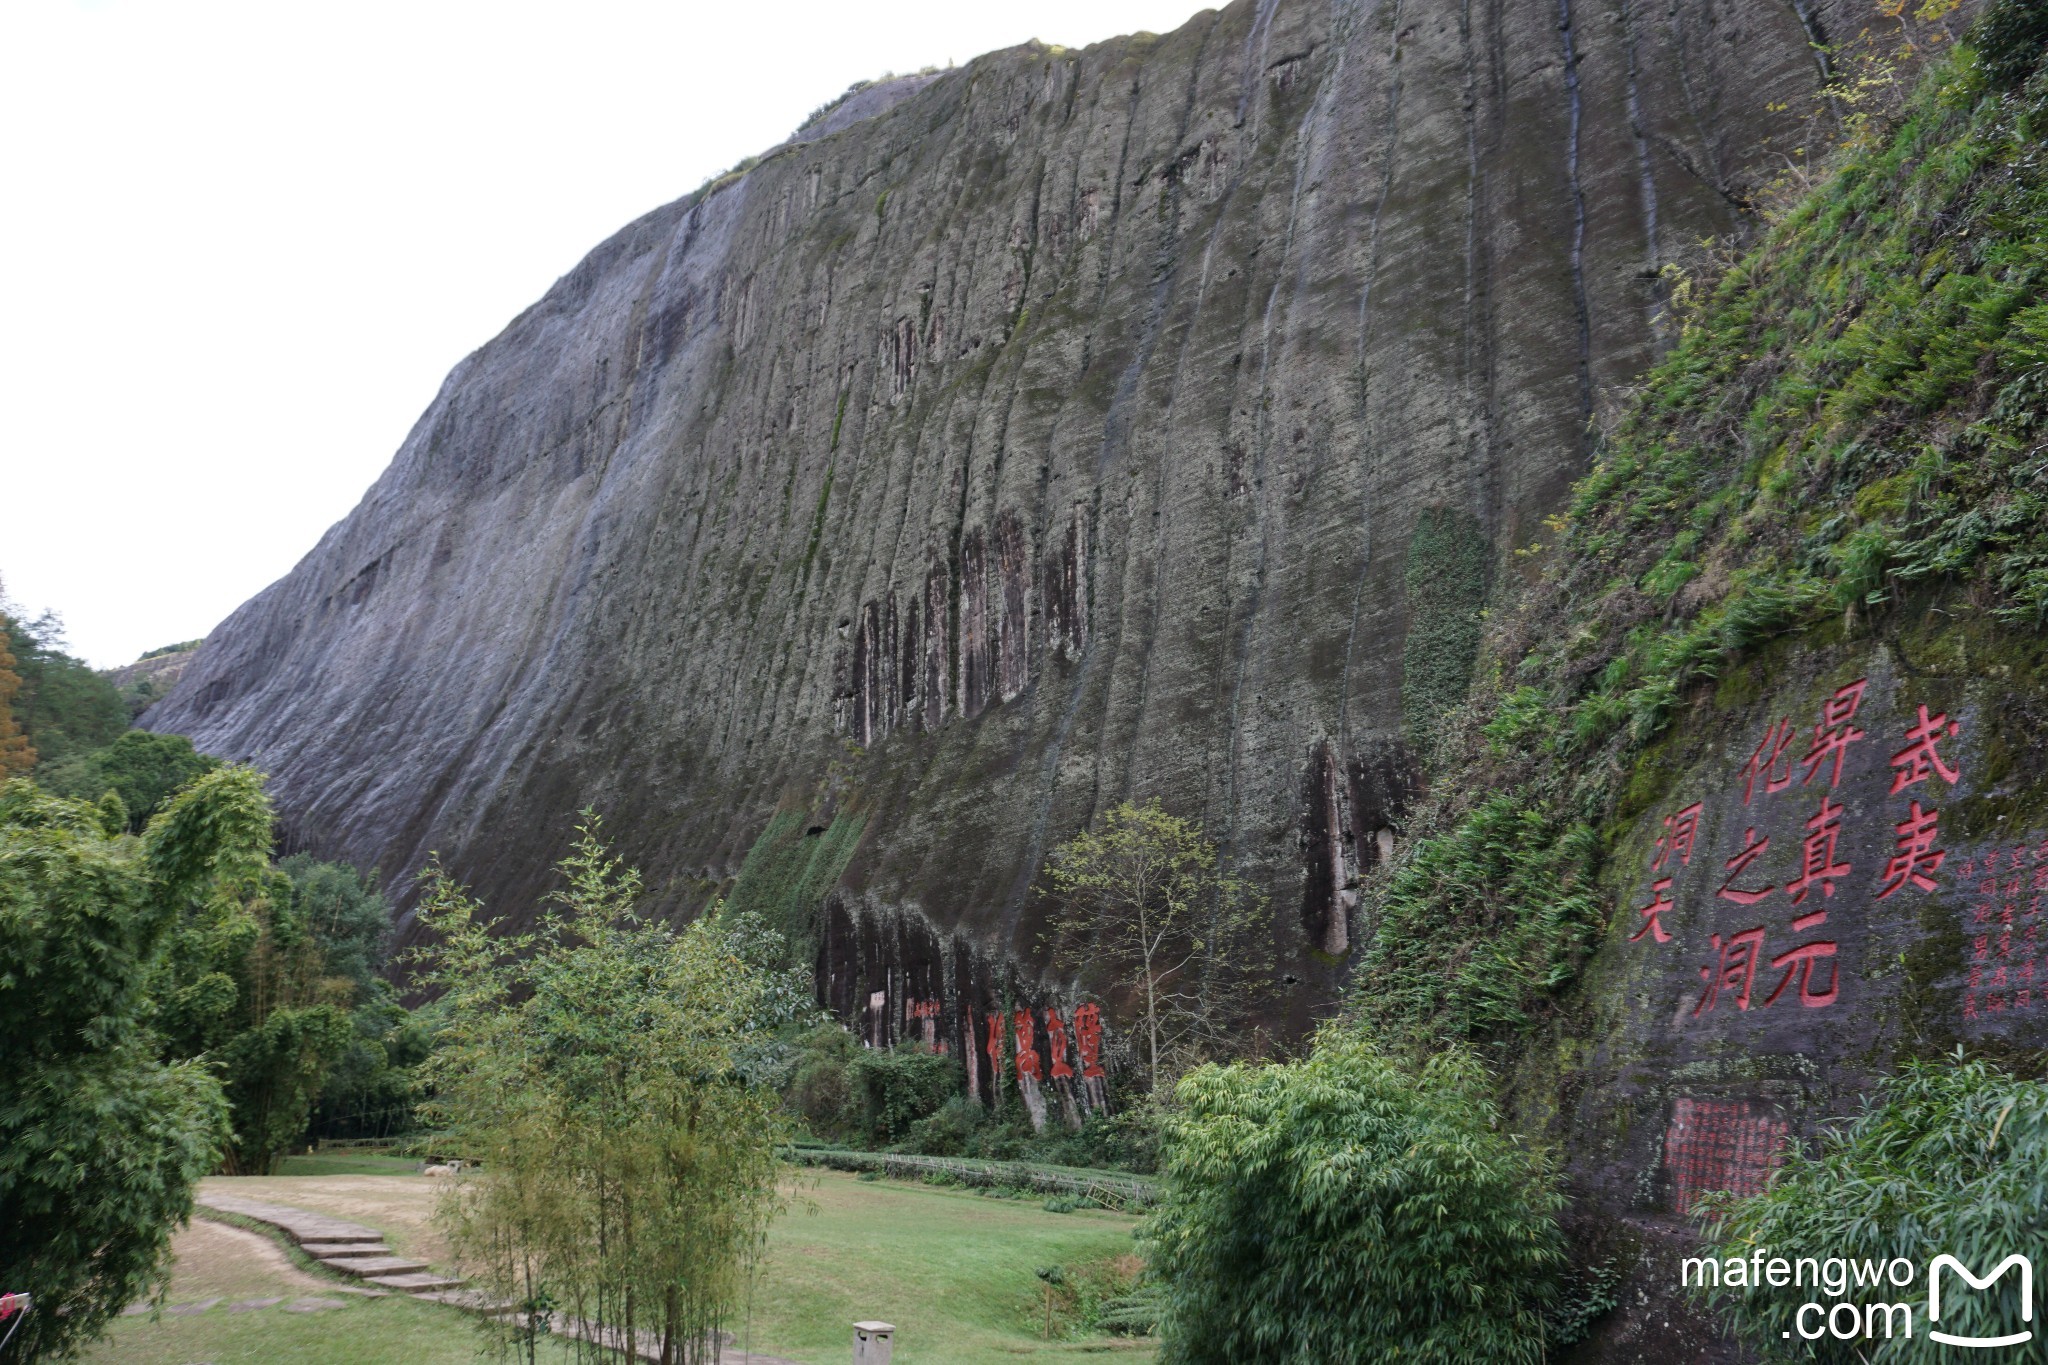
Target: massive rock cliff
[{"x": 1144, "y": 420}]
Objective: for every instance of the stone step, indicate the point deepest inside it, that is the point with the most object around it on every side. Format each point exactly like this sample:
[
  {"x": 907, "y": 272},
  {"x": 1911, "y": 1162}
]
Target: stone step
[
  {"x": 366, "y": 1266},
  {"x": 307, "y": 1229},
  {"x": 418, "y": 1280},
  {"x": 468, "y": 1300},
  {"x": 328, "y": 1251}
]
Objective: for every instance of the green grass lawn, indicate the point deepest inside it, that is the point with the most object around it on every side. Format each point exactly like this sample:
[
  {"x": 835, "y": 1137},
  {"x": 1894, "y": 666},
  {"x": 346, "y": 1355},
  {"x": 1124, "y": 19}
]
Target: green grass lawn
[
  {"x": 349, "y": 1163},
  {"x": 392, "y": 1331},
  {"x": 955, "y": 1272}
]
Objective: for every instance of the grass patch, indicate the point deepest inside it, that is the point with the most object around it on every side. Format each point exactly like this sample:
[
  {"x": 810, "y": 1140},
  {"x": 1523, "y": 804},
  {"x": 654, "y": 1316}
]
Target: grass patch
[
  {"x": 956, "y": 1273},
  {"x": 389, "y": 1331},
  {"x": 348, "y": 1163}
]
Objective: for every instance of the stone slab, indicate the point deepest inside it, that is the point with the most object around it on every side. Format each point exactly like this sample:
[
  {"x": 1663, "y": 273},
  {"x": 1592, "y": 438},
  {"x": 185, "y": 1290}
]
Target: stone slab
[
  {"x": 328, "y": 1251},
  {"x": 373, "y": 1265},
  {"x": 424, "y": 1279},
  {"x": 307, "y": 1229}
]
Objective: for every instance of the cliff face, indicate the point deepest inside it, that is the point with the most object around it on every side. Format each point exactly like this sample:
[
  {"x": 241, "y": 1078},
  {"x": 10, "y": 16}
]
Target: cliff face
[{"x": 1144, "y": 420}]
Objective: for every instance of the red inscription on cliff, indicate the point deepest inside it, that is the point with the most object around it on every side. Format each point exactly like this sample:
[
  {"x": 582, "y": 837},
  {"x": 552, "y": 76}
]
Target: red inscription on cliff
[{"x": 1715, "y": 1145}]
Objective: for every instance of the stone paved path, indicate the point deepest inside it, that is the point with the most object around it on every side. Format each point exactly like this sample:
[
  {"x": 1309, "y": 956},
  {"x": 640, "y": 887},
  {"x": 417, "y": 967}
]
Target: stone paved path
[
  {"x": 354, "y": 1249},
  {"x": 349, "y": 1248}
]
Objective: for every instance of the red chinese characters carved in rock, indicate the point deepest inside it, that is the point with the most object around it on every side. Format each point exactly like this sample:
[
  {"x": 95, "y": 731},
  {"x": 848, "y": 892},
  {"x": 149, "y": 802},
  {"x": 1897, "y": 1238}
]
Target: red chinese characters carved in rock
[
  {"x": 1027, "y": 1051},
  {"x": 1056, "y": 1046},
  {"x": 1804, "y": 962},
  {"x": 1734, "y": 973},
  {"x": 1680, "y": 830},
  {"x": 1653, "y": 913},
  {"x": 1720, "y": 1145},
  {"x": 1817, "y": 855},
  {"x": 2006, "y": 973},
  {"x": 1834, "y": 734},
  {"x": 1764, "y": 762},
  {"x": 1921, "y": 759},
  {"x": 1917, "y": 859},
  {"x": 1753, "y": 848},
  {"x": 995, "y": 1048},
  {"x": 1088, "y": 1040}
]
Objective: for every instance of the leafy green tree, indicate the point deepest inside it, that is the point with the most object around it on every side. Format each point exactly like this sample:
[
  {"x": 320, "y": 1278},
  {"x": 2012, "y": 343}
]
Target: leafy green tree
[
  {"x": 144, "y": 768},
  {"x": 1349, "y": 1207},
  {"x": 1145, "y": 915},
  {"x": 1948, "y": 1160},
  {"x": 101, "y": 1142},
  {"x": 346, "y": 916},
  {"x": 243, "y": 983},
  {"x": 609, "y": 1074},
  {"x": 369, "y": 1090}
]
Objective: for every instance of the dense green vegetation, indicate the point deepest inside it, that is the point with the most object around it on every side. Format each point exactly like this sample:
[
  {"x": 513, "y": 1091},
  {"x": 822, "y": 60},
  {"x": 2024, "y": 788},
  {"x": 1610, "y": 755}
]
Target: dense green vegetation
[
  {"x": 1849, "y": 426},
  {"x": 1948, "y": 1160},
  {"x": 61, "y": 705},
  {"x": 1350, "y": 1207},
  {"x": 1449, "y": 574},
  {"x": 170, "y": 1002},
  {"x": 101, "y": 1138},
  {"x": 143, "y": 769}
]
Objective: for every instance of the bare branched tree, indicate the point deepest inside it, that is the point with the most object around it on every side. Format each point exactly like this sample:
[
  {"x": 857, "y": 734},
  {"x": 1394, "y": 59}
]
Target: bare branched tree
[{"x": 1145, "y": 914}]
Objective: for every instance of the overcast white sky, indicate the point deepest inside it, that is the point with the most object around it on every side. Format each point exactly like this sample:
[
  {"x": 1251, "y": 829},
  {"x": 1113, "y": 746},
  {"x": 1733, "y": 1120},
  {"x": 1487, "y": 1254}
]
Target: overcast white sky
[{"x": 241, "y": 243}]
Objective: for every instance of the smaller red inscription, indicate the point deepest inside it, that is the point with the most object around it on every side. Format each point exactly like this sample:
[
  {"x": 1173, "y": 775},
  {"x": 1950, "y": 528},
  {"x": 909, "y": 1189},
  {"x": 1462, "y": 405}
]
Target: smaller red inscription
[
  {"x": 1027, "y": 1052},
  {"x": 1088, "y": 1040},
  {"x": 1056, "y": 1046},
  {"x": 995, "y": 1048},
  {"x": 1720, "y": 1145}
]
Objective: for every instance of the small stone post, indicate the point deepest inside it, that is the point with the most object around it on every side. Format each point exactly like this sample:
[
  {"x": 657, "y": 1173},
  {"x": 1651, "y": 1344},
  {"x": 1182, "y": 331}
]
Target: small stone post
[{"x": 872, "y": 1343}]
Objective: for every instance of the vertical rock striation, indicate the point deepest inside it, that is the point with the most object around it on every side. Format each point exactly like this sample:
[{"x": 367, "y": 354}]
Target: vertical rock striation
[{"x": 1005, "y": 444}]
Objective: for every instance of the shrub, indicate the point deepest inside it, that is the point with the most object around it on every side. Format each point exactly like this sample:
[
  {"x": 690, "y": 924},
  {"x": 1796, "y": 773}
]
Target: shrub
[
  {"x": 1350, "y": 1208},
  {"x": 1949, "y": 1159},
  {"x": 820, "y": 1090},
  {"x": 896, "y": 1087}
]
